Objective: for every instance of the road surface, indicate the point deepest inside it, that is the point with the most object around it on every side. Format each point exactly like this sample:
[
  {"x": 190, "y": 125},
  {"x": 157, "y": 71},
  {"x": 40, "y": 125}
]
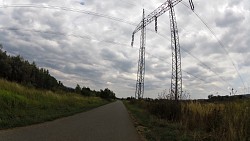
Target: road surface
[{"x": 110, "y": 122}]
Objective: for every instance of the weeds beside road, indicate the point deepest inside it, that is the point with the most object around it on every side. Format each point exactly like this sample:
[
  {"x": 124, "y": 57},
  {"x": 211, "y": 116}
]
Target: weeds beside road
[{"x": 192, "y": 120}]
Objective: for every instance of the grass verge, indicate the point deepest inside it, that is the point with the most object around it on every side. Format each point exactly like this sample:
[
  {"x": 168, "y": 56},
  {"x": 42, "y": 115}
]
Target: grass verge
[
  {"x": 152, "y": 128},
  {"x": 165, "y": 120},
  {"x": 21, "y": 106}
]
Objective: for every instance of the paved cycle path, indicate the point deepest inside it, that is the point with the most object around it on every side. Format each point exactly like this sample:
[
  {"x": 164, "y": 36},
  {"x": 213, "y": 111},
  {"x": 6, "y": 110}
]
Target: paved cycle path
[{"x": 110, "y": 122}]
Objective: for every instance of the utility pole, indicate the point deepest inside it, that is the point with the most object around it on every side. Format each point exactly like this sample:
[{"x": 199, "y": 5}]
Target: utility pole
[
  {"x": 141, "y": 62},
  {"x": 176, "y": 77}
]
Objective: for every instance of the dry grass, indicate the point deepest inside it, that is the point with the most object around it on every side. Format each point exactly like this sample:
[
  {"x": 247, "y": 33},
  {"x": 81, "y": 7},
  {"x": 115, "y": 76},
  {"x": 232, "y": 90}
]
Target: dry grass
[
  {"x": 196, "y": 120},
  {"x": 225, "y": 121}
]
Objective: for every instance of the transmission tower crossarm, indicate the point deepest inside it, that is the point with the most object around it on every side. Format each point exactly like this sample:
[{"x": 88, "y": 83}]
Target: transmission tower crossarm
[{"x": 155, "y": 14}]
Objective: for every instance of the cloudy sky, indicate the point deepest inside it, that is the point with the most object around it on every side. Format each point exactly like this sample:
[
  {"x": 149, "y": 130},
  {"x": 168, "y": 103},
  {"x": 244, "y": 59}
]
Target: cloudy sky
[{"x": 88, "y": 42}]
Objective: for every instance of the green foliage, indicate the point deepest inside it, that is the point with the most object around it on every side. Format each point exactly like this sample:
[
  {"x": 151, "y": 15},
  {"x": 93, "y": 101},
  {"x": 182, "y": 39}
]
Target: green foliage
[
  {"x": 21, "y": 106},
  {"x": 212, "y": 98},
  {"x": 16, "y": 69},
  {"x": 78, "y": 89},
  {"x": 107, "y": 94},
  {"x": 87, "y": 92}
]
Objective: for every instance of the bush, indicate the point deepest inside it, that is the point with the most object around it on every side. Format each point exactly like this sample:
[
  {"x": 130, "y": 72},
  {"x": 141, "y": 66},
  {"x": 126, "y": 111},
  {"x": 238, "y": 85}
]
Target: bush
[{"x": 165, "y": 109}]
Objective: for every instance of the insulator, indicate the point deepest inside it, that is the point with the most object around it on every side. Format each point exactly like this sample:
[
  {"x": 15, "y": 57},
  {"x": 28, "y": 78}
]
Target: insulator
[
  {"x": 132, "y": 43},
  {"x": 191, "y": 4},
  {"x": 156, "y": 24}
]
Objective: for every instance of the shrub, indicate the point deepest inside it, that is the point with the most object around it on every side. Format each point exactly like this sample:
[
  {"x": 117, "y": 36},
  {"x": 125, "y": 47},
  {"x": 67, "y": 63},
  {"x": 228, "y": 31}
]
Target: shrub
[{"x": 165, "y": 109}]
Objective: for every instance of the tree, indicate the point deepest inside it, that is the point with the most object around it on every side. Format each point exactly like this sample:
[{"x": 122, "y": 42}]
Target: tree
[
  {"x": 86, "y": 91},
  {"x": 107, "y": 94},
  {"x": 15, "y": 68},
  {"x": 5, "y": 69},
  {"x": 78, "y": 89},
  {"x": 210, "y": 96}
]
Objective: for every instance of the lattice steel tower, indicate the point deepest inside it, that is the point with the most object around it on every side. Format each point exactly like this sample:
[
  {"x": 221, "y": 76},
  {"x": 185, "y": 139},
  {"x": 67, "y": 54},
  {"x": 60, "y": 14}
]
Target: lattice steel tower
[
  {"x": 176, "y": 77},
  {"x": 141, "y": 62}
]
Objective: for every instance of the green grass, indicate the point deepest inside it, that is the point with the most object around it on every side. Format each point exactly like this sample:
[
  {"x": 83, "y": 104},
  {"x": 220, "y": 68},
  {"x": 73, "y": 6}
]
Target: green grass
[
  {"x": 153, "y": 128},
  {"x": 191, "y": 120},
  {"x": 20, "y": 106}
]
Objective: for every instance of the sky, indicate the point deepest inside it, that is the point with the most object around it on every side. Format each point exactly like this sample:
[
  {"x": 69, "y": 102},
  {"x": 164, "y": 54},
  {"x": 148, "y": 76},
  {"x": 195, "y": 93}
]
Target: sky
[{"x": 87, "y": 42}]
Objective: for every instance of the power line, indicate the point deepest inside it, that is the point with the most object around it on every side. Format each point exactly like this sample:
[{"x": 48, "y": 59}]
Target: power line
[
  {"x": 220, "y": 43},
  {"x": 73, "y": 35},
  {"x": 62, "y": 34},
  {"x": 186, "y": 71},
  {"x": 203, "y": 64},
  {"x": 118, "y": 20},
  {"x": 207, "y": 67},
  {"x": 71, "y": 10},
  {"x": 90, "y": 38},
  {"x": 176, "y": 77},
  {"x": 67, "y": 9}
]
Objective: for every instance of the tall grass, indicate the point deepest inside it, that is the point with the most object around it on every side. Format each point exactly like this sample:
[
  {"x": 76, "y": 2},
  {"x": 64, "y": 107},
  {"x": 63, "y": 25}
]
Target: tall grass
[
  {"x": 21, "y": 106},
  {"x": 201, "y": 120},
  {"x": 225, "y": 121}
]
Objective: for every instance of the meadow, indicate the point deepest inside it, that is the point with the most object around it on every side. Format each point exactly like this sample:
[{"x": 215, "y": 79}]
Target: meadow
[
  {"x": 21, "y": 106},
  {"x": 165, "y": 120}
]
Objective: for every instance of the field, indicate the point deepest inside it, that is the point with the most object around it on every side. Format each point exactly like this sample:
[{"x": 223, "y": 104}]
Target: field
[
  {"x": 191, "y": 120},
  {"x": 20, "y": 106}
]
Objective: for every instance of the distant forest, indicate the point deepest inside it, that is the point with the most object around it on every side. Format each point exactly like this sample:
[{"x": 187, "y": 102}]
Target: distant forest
[{"x": 16, "y": 69}]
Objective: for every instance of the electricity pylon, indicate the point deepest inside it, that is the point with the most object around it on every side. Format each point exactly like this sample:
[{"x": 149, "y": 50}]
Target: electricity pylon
[
  {"x": 141, "y": 62},
  {"x": 176, "y": 77}
]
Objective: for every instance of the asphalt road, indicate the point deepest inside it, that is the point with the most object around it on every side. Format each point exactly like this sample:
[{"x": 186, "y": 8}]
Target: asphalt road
[{"x": 106, "y": 123}]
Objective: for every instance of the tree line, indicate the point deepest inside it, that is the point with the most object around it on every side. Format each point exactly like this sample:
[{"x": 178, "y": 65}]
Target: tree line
[
  {"x": 86, "y": 91},
  {"x": 17, "y": 69}
]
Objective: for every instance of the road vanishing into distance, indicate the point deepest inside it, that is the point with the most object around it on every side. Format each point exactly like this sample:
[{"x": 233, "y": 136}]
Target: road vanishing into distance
[{"x": 110, "y": 122}]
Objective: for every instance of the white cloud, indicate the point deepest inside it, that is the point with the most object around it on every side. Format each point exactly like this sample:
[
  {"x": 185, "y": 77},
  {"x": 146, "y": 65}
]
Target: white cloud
[{"x": 95, "y": 51}]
